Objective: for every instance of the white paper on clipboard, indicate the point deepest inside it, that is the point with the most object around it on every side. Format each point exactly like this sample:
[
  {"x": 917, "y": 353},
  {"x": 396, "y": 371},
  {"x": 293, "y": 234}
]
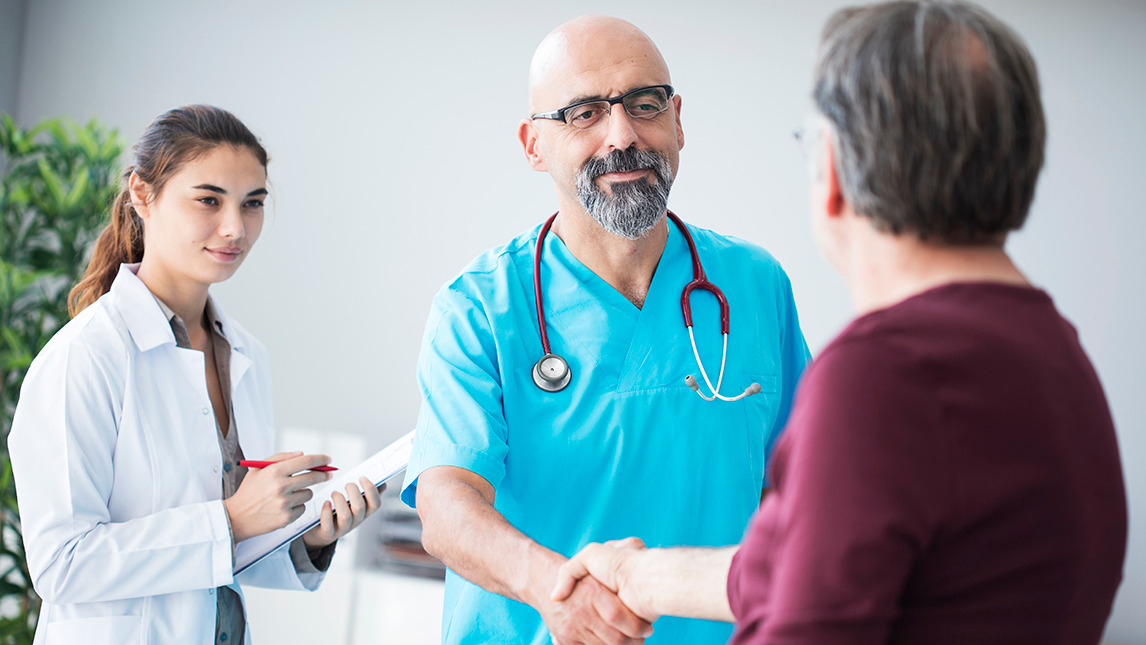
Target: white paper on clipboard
[{"x": 386, "y": 463}]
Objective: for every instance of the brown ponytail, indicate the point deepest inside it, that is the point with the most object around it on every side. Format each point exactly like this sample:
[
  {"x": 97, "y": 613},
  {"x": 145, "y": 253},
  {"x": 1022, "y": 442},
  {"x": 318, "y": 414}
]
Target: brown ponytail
[
  {"x": 121, "y": 241},
  {"x": 173, "y": 139}
]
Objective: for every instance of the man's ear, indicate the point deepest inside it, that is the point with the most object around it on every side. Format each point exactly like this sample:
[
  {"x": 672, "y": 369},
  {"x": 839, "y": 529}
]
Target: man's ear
[
  {"x": 527, "y": 134},
  {"x": 140, "y": 192},
  {"x": 834, "y": 202},
  {"x": 679, "y": 130}
]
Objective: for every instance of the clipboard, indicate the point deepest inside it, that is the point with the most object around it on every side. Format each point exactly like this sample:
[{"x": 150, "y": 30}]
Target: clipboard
[{"x": 381, "y": 467}]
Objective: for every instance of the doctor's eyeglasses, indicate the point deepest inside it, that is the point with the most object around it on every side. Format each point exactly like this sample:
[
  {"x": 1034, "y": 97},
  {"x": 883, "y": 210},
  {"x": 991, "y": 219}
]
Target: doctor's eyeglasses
[{"x": 641, "y": 103}]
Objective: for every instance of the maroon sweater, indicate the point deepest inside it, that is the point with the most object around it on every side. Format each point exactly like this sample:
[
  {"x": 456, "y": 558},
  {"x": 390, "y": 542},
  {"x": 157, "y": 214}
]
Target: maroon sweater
[{"x": 949, "y": 475}]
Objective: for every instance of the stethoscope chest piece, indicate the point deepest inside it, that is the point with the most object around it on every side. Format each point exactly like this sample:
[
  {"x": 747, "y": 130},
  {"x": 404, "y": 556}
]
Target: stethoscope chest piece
[{"x": 551, "y": 373}]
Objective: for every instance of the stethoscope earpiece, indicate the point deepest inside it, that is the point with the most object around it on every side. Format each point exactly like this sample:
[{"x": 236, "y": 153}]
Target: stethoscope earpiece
[
  {"x": 690, "y": 381},
  {"x": 551, "y": 373}
]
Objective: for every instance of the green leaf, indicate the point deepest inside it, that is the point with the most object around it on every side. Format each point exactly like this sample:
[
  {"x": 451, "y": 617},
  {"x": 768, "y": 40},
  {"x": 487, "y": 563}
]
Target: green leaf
[
  {"x": 111, "y": 148},
  {"x": 53, "y": 184},
  {"x": 22, "y": 144},
  {"x": 59, "y": 134},
  {"x": 78, "y": 192},
  {"x": 33, "y": 133},
  {"x": 7, "y": 127},
  {"x": 86, "y": 138}
]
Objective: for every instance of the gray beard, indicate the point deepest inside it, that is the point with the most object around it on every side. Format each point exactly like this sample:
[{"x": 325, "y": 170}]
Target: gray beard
[{"x": 635, "y": 207}]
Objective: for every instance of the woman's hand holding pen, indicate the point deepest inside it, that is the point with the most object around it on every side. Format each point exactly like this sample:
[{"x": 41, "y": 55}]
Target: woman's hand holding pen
[
  {"x": 272, "y": 497},
  {"x": 341, "y": 514}
]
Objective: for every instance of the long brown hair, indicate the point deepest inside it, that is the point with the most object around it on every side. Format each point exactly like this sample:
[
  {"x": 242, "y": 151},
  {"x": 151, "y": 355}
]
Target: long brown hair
[{"x": 173, "y": 139}]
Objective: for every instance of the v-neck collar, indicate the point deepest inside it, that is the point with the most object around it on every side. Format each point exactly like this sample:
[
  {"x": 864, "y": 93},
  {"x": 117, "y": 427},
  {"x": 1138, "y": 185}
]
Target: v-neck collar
[
  {"x": 623, "y": 336},
  {"x": 557, "y": 252},
  {"x": 660, "y": 319}
]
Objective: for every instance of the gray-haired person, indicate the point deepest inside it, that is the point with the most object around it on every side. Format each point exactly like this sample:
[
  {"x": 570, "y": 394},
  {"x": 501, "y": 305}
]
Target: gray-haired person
[{"x": 950, "y": 472}]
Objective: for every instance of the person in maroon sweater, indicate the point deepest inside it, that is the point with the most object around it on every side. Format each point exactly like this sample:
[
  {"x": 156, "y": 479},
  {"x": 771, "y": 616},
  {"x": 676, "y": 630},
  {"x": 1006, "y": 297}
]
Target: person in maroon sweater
[{"x": 950, "y": 472}]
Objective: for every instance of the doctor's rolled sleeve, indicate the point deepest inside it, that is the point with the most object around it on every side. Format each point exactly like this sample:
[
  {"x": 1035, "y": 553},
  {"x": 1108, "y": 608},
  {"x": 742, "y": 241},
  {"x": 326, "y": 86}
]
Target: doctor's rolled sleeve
[{"x": 461, "y": 425}]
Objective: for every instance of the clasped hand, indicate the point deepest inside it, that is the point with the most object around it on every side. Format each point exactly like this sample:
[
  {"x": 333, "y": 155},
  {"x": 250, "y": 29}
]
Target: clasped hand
[
  {"x": 592, "y": 581},
  {"x": 272, "y": 497}
]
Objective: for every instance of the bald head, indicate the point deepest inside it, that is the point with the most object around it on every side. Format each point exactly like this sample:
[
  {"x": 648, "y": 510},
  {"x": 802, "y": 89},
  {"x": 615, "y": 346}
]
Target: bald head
[{"x": 575, "y": 55}]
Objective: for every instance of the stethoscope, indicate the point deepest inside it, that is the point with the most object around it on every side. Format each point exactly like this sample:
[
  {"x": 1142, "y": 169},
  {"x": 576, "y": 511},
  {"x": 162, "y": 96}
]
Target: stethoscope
[{"x": 552, "y": 373}]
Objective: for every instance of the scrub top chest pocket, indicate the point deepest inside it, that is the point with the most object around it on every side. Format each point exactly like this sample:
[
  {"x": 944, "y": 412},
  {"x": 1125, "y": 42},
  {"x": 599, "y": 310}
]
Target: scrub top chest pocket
[{"x": 760, "y": 420}]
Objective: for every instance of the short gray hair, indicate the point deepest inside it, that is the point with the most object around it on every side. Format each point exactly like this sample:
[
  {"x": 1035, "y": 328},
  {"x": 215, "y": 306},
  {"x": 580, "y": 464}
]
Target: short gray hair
[{"x": 938, "y": 123}]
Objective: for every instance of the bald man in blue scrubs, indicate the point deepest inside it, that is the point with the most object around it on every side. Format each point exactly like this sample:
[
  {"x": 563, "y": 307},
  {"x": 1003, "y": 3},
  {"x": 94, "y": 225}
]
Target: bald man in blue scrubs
[{"x": 510, "y": 478}]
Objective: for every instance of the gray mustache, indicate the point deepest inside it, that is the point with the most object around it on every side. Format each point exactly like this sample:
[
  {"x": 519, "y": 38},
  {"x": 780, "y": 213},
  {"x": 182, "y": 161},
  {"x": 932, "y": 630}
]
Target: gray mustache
[{"x": 621, "y": 161}]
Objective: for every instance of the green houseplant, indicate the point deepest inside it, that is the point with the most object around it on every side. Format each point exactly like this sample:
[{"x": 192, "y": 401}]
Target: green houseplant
[{"x": 58, "y": 180}]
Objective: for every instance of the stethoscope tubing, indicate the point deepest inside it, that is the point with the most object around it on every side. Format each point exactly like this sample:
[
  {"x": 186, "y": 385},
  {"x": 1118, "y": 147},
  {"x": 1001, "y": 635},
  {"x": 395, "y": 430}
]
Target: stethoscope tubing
[
  {"x": 537, "y": 282},
  {"x": 551, "y": 373},
  {"x": 699, "y": 281}
]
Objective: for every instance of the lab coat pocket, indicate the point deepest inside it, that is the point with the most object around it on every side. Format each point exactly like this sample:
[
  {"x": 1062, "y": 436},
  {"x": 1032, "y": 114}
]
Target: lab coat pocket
[{"x": 96, "y": 630}]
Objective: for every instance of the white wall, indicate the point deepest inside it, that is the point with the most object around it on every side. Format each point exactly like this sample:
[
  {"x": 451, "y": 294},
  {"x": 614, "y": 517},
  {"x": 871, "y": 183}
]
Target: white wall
[
  {"x": 392, "y": 130},
  {"x": 12, "y": 14}
]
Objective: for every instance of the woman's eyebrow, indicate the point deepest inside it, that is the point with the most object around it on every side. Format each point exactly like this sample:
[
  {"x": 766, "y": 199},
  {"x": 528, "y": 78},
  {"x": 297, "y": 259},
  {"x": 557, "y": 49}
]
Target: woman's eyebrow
[{"x": 215, "y": 189}]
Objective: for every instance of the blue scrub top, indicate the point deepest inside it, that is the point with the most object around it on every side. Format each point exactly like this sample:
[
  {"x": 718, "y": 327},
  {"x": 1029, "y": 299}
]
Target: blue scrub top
[{"x": 627, "y": 449}]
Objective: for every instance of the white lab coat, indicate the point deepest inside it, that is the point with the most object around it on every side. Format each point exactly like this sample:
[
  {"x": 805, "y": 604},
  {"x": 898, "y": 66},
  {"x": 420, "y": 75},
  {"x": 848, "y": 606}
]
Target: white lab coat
[{"x": 117, "y": 467}]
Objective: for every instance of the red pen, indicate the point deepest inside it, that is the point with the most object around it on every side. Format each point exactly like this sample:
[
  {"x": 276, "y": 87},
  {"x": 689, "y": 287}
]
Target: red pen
[{"x": 263, "y": 464}]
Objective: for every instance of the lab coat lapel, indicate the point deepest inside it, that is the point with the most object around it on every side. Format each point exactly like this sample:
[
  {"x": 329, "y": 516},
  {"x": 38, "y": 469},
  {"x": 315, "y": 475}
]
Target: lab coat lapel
[
  {"x": 191, "y": 364},
  {"x": 240, "y": 363},
  {"x": 246, "y": 417},
  {"x": 149, "y": 328},
  {"x": 151, "y": 331},
  {"x": 140, "y": 312}
]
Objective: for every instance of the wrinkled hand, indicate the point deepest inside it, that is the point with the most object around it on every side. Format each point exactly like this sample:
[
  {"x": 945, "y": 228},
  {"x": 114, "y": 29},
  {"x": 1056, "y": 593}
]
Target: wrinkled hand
[
  {"x": 272, "y": 497},
  {"x": 590, "y": 614},
  {"x": 341, "y": 514},
  {"x": 603, "y": 563}
]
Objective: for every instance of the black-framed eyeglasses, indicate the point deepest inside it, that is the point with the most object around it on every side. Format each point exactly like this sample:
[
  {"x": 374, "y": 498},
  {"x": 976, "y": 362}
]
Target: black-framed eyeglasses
[{"x": 641, "y": 103}]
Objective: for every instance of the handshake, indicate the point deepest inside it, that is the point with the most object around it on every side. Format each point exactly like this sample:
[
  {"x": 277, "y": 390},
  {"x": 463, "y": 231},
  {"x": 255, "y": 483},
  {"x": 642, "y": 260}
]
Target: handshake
[{"x": 648, "y": 583}]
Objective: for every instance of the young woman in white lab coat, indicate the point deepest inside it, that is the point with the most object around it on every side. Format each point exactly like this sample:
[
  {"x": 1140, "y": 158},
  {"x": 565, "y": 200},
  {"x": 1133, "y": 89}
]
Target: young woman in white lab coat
[{"x": 120, "y": 443}]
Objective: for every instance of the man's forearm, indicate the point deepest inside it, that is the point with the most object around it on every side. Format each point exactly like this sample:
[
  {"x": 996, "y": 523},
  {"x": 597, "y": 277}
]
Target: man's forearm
[
  {"x": 463, "y": 530},
  {"x": 691, "y": 582}
]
